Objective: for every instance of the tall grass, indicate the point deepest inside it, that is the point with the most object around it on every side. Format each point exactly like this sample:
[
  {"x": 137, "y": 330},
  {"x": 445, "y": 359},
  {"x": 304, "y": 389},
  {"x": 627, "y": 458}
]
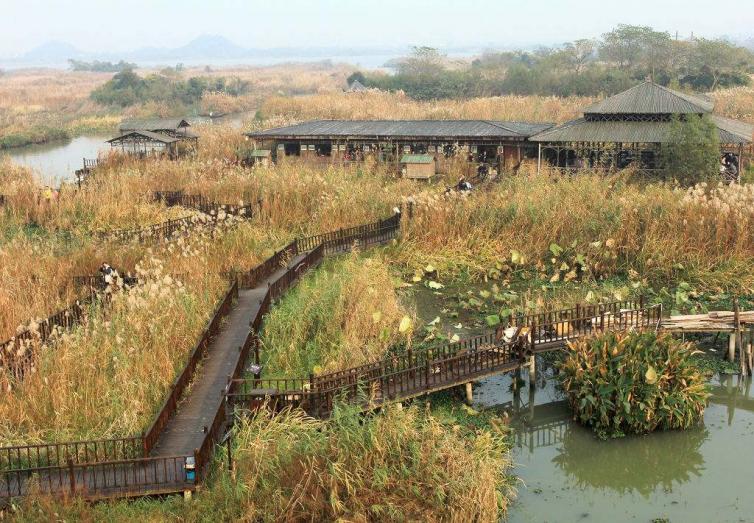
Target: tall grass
[
  {"x": 344, "y": 315},
  {"x": 383, "y": 105},
  {"x": 107, "y": 378},
  {"x": 394, "y": 466},
  {"x": 596, "y": 226}
]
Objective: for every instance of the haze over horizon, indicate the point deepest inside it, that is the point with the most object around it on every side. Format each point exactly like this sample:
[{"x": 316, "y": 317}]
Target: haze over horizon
[{"x": 113, "y": 27}]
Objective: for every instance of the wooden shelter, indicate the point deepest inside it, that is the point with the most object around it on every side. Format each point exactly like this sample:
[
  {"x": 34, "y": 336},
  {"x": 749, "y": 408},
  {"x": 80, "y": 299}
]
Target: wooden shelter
[
  {"x": 630, "y": 129},
  {"x": 418, "y": 166},
  {"x": 357, "y": 87},
  {"x": 499, "y": 144},
  {"x": 155, "y": 136},
  {"x": 145, "y": 143}
]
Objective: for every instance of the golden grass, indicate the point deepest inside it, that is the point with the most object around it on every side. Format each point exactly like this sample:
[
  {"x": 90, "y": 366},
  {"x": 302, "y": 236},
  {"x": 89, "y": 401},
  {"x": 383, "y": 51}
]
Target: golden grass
[
  {"x": 399, "y": 465},
  {"x": 612, "y": 226},
  {"x": 345, "y": 315},
  {"x": 384, "y": 105},
  {"x": 108, "y": 377}
]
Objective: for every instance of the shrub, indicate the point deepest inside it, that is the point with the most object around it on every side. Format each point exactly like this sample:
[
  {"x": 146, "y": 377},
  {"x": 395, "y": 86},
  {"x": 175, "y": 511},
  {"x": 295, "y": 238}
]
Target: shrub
[{"x": 622, "y": 383}]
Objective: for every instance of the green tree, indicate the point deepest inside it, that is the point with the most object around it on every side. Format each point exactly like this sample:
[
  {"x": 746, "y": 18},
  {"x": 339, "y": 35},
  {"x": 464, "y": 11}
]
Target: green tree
[
  {"x": 719, "y": 58},
  {"x": 692, "y": 154}
]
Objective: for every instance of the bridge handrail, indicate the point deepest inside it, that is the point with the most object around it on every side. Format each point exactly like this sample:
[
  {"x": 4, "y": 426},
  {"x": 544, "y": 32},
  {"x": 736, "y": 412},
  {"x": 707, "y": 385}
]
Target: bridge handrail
[
  {"x": 170, "y": 405},
  {"x": 41, "y": 455}
]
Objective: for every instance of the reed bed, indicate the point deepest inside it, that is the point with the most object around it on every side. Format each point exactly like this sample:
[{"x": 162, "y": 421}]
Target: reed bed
[
  {"x": 589, "y": 226},
  {"x": 107, "y": 378},
  {"x": 399, "y": 465},
  {"x": 377, "y": 105},
  {"x": 345, "y": 315}
]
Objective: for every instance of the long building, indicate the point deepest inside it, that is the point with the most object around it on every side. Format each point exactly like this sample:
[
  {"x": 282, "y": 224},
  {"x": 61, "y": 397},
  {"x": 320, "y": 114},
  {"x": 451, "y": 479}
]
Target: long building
[{"x": 486, "y": 141}]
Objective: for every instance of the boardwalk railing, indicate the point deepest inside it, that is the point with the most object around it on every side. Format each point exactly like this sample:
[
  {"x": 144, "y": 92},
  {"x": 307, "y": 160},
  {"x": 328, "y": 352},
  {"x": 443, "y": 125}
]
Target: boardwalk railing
[
  {"x": 59, "y": 454},
  {"x": 104, "y": 479},
  {"x": 17, "y": 353},
  {"x": 113, "y": 467},
  {"x": 201, "y": 203},
  {"x": 154, "y": 233},
  {"x": 182, "y": 381},
  {"x": 414, "y": 372},
  {"x": 399, "y": 378},
  {"x": 264, "y": 270},
  {"x": 343, "y": 239}
]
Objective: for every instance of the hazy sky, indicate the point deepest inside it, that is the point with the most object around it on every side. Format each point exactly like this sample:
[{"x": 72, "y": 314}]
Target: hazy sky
[{"x": 117, "y": 25}]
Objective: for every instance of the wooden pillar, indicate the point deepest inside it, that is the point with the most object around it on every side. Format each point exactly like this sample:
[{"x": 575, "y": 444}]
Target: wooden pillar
[
  {"x": 539, "y": 157},
  {"x": 732, "y": 346},
  {"x": 532, "y": 371},
  {"x": 469, "y": 394}
]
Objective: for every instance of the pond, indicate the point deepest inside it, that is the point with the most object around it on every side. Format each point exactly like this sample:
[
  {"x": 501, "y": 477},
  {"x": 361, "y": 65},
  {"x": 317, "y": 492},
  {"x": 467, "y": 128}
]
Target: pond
[
  {"x": 568, "y": 475},
  {"x": 56, "y": 162}
]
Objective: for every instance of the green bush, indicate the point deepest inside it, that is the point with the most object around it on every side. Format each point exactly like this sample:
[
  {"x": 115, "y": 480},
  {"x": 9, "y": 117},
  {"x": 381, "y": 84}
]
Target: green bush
[{"x": 633, "y": 383}]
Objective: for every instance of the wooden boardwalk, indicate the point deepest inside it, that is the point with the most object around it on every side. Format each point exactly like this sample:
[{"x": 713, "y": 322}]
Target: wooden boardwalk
[
  {"x": 185, "y": 432},
  {"x": 164, "y": 470}
]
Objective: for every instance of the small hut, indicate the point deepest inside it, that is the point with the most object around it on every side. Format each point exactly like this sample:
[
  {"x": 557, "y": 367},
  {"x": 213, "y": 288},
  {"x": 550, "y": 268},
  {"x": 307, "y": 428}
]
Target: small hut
[
  {"x": 418, "y": 166},
  {"x": 145, "y": 143},
  {"x": 357, "y": 87},
  {"x": 256, "y": 157}
]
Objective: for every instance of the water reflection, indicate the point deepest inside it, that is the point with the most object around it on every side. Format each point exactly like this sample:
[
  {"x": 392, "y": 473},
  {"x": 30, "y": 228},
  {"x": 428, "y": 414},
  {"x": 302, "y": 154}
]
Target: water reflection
[
  {"x": 568, "y": 474},
  {"x": 733, "y": 392},
  {"x": 633, "y": 464}
]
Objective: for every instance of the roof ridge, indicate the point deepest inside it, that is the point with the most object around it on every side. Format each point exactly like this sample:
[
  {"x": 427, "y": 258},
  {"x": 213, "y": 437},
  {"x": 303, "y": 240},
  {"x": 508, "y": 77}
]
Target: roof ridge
[{"x": 500, "y": 126}]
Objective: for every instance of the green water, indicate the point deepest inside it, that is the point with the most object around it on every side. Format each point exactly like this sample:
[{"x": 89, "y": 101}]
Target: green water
[
  {"x": 705, "y": 474},
  {"x": 699, "y": 475}
]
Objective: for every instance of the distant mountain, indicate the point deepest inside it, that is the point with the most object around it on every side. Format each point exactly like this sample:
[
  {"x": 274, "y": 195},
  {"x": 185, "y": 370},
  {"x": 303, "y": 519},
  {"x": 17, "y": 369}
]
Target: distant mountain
[
  {"x": 202, "y": 47},
  {"x": 201, "y": 50},
  {"x": 51, "y": 53}
]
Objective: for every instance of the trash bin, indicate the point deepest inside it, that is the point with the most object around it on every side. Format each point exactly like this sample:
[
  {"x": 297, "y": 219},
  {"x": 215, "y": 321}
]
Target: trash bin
[{"x": 190, "y": 467}]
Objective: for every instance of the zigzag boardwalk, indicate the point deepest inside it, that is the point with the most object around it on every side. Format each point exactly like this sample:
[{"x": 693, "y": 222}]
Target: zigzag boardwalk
[
  {"x": 186, "y": 431},
  {"x": 186, "y": 428}
]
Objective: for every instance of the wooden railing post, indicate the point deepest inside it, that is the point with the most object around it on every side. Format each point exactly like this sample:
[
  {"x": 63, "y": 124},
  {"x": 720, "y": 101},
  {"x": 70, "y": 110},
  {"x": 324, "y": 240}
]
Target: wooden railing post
[{"x": 72, "y": 476}]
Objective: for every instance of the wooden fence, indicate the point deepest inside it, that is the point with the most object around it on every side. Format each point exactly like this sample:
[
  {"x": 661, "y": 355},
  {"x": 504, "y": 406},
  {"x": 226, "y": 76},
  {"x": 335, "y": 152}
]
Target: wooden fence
[
  {"x": 202, "y": 203},
  {"x": 17, "y": 353},
  {"x": 183, "y": 380},
  {"x": 105, "y": 479},
  {"x": 116, "y": 468},
  {"x": 413, "y": 372}
]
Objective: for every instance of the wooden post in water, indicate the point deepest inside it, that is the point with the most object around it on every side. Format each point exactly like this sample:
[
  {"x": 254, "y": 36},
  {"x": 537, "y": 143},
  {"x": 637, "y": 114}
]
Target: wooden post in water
[
  {"x": 469, "y": 394},
  {"x": 732, "y": 346},
  {"x": 532, "y": 371},
  {"x": 532, "y": 360}
]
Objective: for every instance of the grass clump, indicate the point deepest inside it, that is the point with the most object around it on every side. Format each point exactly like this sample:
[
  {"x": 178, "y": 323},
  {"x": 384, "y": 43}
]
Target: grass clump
[
  {"x": 633, "y": 383},
  {"x": 345, "y": 315}
]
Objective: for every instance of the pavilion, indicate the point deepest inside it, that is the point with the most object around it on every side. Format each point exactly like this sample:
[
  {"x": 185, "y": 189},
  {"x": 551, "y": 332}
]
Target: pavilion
[{"x": 630, "y": 129}]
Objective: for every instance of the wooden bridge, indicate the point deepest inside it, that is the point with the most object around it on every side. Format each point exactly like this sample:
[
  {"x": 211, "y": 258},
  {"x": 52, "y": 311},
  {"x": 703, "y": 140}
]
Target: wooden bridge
[
  {"x": 173, "y": 455},
  {"x": 405, "y": 375}
]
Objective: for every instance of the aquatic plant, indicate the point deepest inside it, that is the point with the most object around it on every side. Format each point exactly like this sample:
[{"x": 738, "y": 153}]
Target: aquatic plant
[{"x": 633, "y": 383}]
